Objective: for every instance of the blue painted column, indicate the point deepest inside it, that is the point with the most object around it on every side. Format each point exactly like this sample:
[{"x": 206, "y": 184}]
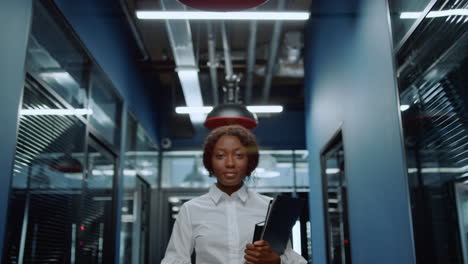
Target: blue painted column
[
  {"x": 15, "y": 20},
  {"x": 350, "y": 79}
]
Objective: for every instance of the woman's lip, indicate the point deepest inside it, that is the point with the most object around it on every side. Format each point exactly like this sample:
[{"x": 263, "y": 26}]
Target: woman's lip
[{"x": 230, "y": 174}]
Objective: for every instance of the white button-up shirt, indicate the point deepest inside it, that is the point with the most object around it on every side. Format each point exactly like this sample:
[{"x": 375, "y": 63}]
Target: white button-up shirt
[{"x": 218, "y": 227}]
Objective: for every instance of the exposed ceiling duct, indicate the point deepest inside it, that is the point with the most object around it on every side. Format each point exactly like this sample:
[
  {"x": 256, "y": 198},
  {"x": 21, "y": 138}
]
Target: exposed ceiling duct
[
  {"x": 180, "y": 37},
  {"x": 227, "y": 53},
  {"x": 275, "y": 42},
  {"x": 250, "y": 61},
  {"x": 290, "y": 63},
  {"x": 212, "y": 63},
  {"x": 247, "y": 56}
]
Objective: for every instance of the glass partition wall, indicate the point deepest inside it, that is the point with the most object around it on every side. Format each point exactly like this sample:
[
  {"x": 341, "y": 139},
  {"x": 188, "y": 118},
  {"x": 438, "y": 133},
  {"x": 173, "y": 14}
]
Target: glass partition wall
[
  {"x": 277, "y": 170},
  {"x": 431, "y": 57},
  {"x": 140, "y": 175},
  {"x": 63, "y": 199}
]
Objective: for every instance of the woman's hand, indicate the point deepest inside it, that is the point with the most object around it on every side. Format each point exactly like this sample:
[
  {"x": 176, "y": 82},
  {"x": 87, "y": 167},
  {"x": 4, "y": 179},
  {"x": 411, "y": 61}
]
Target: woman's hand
[{"x": 260, "y": 252}]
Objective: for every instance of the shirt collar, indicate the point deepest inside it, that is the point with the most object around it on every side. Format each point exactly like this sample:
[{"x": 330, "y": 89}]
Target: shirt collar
[{"x": 216, "y": 194}]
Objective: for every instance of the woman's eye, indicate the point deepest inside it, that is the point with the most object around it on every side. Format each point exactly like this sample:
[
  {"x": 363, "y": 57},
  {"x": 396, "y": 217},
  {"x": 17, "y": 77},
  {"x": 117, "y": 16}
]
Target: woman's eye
[
  {"x": 219, "y": 156},
  {"x": 239, "y": 155}
]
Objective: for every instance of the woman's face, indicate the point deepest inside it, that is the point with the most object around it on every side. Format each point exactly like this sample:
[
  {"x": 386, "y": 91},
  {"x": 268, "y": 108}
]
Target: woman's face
[{"x": 229, "y": 161}]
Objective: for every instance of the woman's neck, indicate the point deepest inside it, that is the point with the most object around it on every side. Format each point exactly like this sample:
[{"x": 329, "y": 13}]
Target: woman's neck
[{"x": 229, "y": 189}]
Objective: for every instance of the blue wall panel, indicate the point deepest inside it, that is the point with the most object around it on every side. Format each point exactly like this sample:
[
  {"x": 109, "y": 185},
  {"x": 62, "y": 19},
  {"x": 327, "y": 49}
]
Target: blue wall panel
[
  {"x": 350, "y": 79},
  {"x": 278, "y": 131},
  {"x": 15, "y": 19},
  {"x": 103, "y": 29}
]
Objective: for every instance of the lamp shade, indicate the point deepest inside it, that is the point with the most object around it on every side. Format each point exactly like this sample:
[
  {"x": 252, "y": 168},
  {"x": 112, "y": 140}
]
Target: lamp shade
[
  {"x": 230, "y": 114},
  {"x": 223, "y": 5}
]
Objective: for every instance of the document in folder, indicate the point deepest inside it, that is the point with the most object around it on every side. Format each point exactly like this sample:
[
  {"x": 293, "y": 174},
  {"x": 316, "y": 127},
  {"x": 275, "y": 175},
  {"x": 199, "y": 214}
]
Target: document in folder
[{"x": 281, "y": 216}]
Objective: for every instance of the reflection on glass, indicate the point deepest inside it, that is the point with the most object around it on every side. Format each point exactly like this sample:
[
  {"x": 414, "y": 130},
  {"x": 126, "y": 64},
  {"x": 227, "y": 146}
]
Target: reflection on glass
[
  {"x": 106, "y": 107},
  {"x": 96, "y": 226},
  {"x": 140, "y": 173},
  {"x": 281, "y": 168},
  {"x": 56, "y": 58},
  {"x": 185, "y": 169},
  {"x": 46, "y": 183},
  {"x": 404, "y": 14},
  {"x": 102, "y": 171},
  {"x": 432, "y": 70}
]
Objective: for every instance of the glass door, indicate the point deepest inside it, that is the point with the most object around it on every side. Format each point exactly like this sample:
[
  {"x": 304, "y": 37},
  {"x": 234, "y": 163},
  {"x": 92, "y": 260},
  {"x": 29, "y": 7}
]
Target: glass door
[
  {"x": 335, "y": 201},
  {"x": 96, "y": 229}
]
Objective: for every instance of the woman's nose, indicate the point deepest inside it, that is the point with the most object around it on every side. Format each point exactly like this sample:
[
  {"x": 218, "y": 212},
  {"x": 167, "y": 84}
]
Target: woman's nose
[{"x": 230, "y": 161}]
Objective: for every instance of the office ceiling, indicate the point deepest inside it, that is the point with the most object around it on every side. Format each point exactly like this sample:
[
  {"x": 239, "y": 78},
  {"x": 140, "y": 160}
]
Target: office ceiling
[{"x": 287, "y": 81}]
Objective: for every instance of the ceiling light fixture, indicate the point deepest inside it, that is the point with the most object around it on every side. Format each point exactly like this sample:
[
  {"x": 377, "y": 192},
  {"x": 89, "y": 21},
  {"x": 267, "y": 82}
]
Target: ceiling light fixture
[
  {"x": 201, "y": 15},
  {"x": 265, "y": 108},
  {"x": 432, "y": 14},
  {"x": 189, "y": 110},
  {"x": 231, "y": 114},
  {"x": 253, "y": 108}
]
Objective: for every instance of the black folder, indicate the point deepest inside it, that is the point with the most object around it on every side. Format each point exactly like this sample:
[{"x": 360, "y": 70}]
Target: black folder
[{"x": 282, "y": 214}]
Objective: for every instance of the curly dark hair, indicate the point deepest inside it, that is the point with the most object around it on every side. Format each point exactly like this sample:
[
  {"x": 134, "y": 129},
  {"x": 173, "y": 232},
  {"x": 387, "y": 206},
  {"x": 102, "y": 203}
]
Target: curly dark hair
[{"x": 246, "y": 138}]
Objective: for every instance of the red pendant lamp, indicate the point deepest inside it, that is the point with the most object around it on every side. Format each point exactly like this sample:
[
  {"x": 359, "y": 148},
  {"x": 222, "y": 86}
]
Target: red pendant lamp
[
  {"x": 231, "y": 114},
  {"x": 222, "y": 5}
]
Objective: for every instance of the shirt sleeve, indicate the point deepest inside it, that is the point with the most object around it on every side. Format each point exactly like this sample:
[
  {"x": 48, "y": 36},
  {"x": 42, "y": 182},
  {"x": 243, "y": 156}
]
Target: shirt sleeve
[
  {"x": 291, "y": 257},
  {"x": 180, "y": 247}
]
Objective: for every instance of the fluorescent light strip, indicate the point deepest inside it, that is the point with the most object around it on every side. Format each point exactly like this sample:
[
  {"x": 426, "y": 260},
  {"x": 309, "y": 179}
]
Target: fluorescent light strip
[
  {"x": 265, "y": 108},
  {"x": 190, "y": 110},
  {"x": 196, "y": 15},
  {"x": 59, "y": 112},
  {"x": 439, "y": 170},
  {"x": 207, "y": 109},
  {"x": 432, "y": 14}
]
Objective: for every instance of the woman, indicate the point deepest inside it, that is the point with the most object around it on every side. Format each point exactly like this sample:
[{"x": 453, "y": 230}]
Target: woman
[{"x": 219, "y": 225}]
